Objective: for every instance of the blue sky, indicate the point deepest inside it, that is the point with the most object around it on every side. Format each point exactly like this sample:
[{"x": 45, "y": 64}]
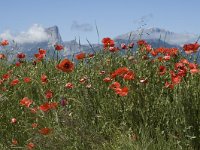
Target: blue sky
[{"x": 113, "y": 17}]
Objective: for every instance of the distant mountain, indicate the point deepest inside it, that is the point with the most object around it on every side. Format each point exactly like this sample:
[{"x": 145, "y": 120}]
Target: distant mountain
[{"x": 155, "y": 36}]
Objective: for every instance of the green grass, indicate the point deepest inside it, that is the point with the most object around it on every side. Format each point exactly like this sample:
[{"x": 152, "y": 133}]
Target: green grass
[{"x": 150, "y": 117}]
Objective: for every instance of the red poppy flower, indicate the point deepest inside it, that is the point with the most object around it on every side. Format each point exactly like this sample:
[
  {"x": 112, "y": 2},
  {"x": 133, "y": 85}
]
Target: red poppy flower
[
  {"x": 113, "y": 49},
  {"x": 14, "y": 142},
  {"x": 193, "y": 66},
  {"x": 14, "y": 82},
  {"x": 4, "y": 43},
  {"x": 108, "y": 42},
  {"x": 120, "y": 72},
  {"x": 21, "y": 55},
  {"x": 154, "y": 53},
  {"x": 130, "y": 75},
  {"x": 141, "y": 42},
  {"x": 107, "y": 79},
  {"x": 162, "y": 70},
  {"x": 123, "y": 46},
  {"x": 44, "y": 107},
  {"x": 58, "y": 47},
  {"x": 18, "y": 64},
  {"x": 42, "y": 51},
  {"x": 191, "y": 48},
  {"x": 47, "y": 106},
  {"x": 80, "y": 56},
  {"x": 115, "y": 85},
  {"x": 121, "y": 91},
  {"x": 33, "y": 110},
  {"x": 49, "y": 94},
  {"x": 1, "y": 82},
  {"x": 39, "y": 56},
  {"x": 44, "y": 78},
  {"x": 27, "y": 79},
  {"x": 6, "y": 76},
  {"x": 169, "y": 85},
  {"x": 69, "y": 85},
  {"x": 30, "y": 146},
  {"x": 34, "y": 125},
  {"x": 185, "y": 61},
  {"x": 2, "y": 56},
  {"x": 45, "y": 131},
  {"x": 65, "y": 66},
  {"x": 176, "y": 79},
  {"x": 26, "y": 102}
]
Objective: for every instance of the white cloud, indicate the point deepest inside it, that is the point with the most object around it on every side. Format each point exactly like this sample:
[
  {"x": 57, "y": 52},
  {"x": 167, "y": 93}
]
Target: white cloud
[{"x": 35, "y": 33}]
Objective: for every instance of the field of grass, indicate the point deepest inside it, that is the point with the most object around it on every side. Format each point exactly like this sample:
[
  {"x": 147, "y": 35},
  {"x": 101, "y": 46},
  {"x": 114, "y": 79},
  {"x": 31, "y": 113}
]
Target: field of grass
[{"x": 115, "y": 99}]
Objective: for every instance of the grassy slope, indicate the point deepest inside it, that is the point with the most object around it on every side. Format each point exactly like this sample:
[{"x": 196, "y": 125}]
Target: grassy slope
[{"x": 149, "y": 117}]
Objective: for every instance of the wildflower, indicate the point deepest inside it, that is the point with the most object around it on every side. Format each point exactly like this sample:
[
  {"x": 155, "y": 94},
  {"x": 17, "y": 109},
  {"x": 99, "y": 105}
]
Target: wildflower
[
  {"x": 39, "y": 56},
  {"x": 47, "y": 106},
  {"x": 44, "y": 107},
  {"x": 27, "y": 79},
  {"x": 162, "y": 70},
  {"x": 42, "y": 51},
  {"x": 191, "y": 48},
  {"x": 184, "y": 61},
  {"x": 49, "y": 94},
  {"x": 33, "y": 110},
  {"x": 131, "y": 45},
  {"x": 34, "y": 125},
  {"x": 13, "y": 120},
  {"x": 154, "y": 53},
  {"x": 115, "y": 85},
  {"x": 58, "y": 47},
  {"x": 113, "y": 49},
  {"x": 88, "y": 86},
  {"x": 18, "y": 64},
  {"x": 63, "y": 102},
  {"x": 141, "y": 42},
  {"x": 69, "y": 85},
  {"x": 26, "y": 102},
  {"x": 107, "y": 79},
  {"x": 65, "y": 66},
  {"x": 102, "y": 72},
  {"x": 80, "y": 56},
  {"x": 169, "y": 85},
  {"x": 44, "y": 78},
  {"x": 108, "y": 42},
  {"x": 2, "y": 56},
  {"x": 14, "y": 142},
  {"x": 194, "y": 71},
  {"x": 30, "y": 145},
  {"x": 143, "y": 80},
  {"x": 21, "y": 55},
  {"x": 119, "y": 72},
  {"x": 45, "y": 131},
  {"x": 90, "y": 55},
  {"x": 193, "y": 66},
  {"x": 14, "y": 82},
  {"x": 6, "y": 76},
  {"x": 121, "y": 91},
  {"x": 167, "y": 57},
  {"x": 130, "y": 75},
  {"x": 82, "y": 80},
  {"x": 4, "y": 43},
  {"x": 123, "y": 46}
]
